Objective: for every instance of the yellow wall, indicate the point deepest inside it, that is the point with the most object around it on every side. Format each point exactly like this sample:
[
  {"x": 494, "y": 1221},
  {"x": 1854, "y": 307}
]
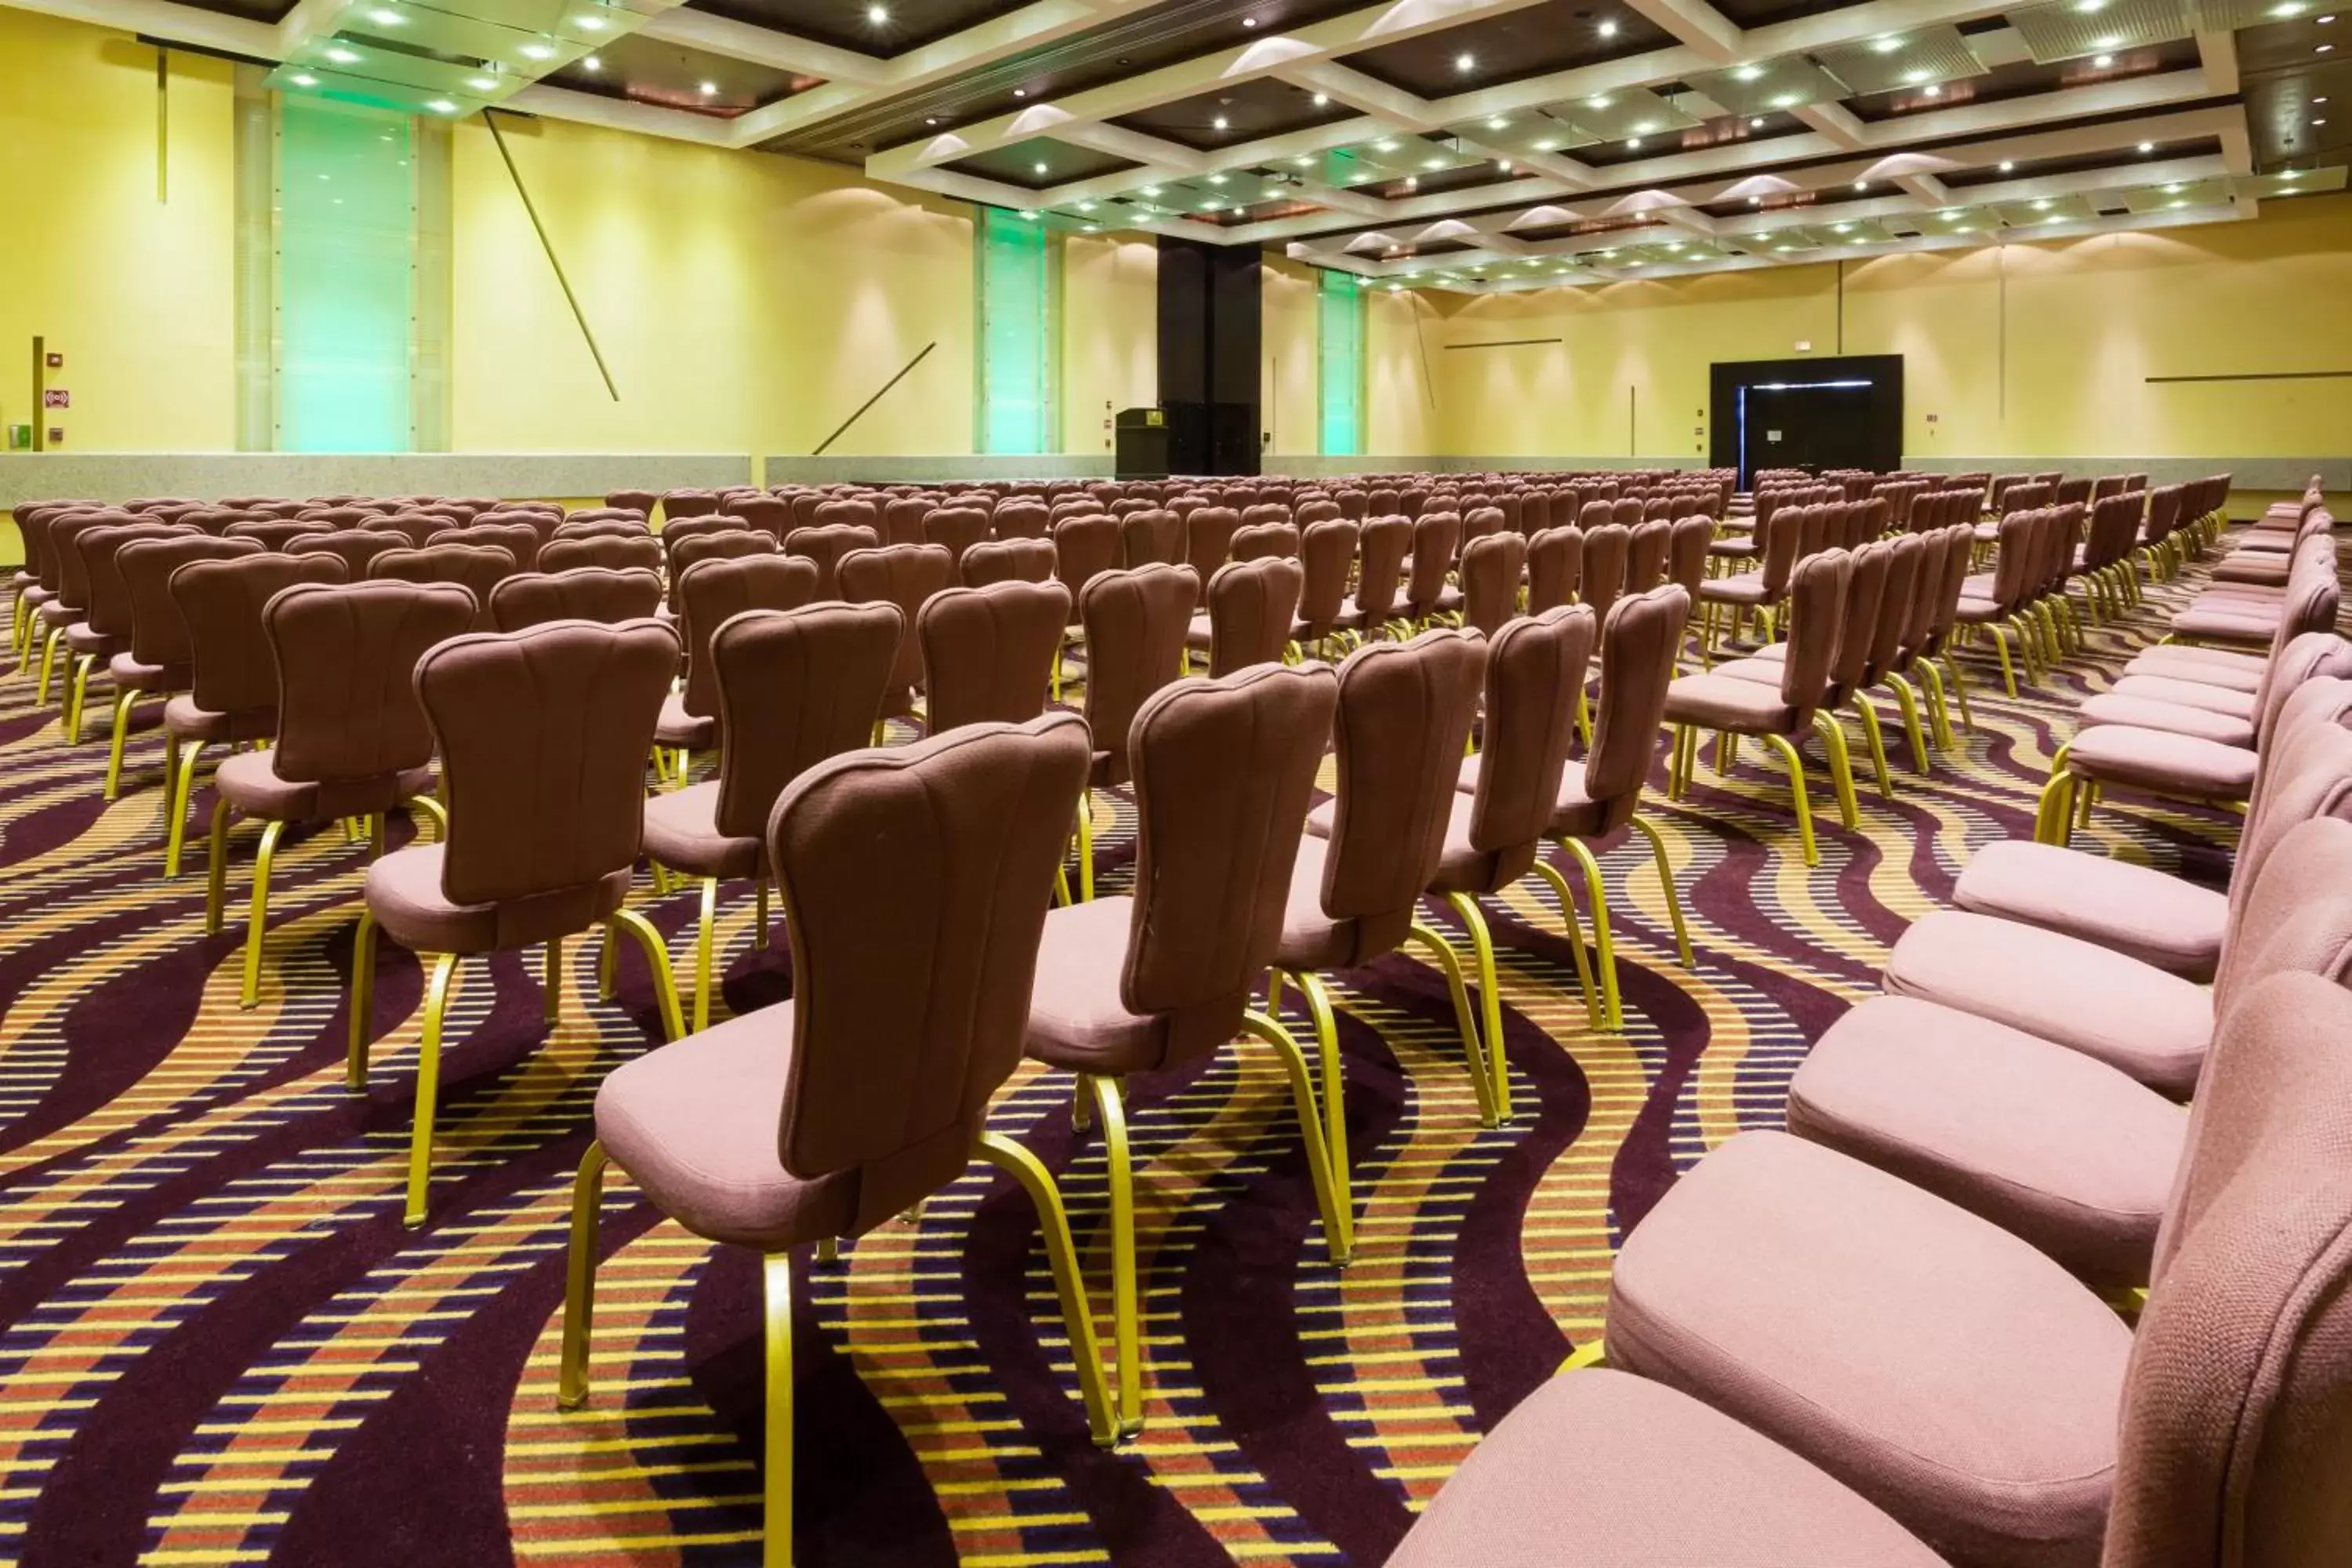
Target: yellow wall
[
  {"x": 1289, "y": 384},
  {"x": 1402, "y": 335},
  {"x": 2082, "y": 324},
  {"x": 1110, "y": 335},
  {"x": 134, "y": 292}
]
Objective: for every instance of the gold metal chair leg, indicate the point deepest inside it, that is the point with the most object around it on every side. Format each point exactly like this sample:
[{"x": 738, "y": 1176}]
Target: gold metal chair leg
[
  {"x": 2007, "y": 672},
  {"x": 1796, "y": 766},
  {"x": 363, "y": 999},
  {"x": 1126, "y": 1323},
  {"x": 123, "y": 704},
  {"x": 1726, "y": 753},
  {"x": 1959, "y": 691},
  {"x": 1062, "y": 1253},
  {"x": 1591, "y": 1353},
  {"x": 580, "y": 1279},
  {"x": 1906, "y": 699},
  {"x": 1877, "y": 739},
  {"x": 1593, "y": 1016},
  {"x": 776, "y": 1460},
  {"x": 1482, "y": 947},
  {"x": 428, "y": 1089},
  {"x": 427, "y": 806},
  {"x": 760, "y": 912},
  {"x": 1338, "y": 1222},
  {"x": 217, "y": 867},
  {"x": 1841, "y": 763},
  {"x": 1474, "y": 1050},
  {"x": 1649, "y": 830},
  {"x": 255, "y": 922},
  {"x": 1604, "y": 949},
  {"x": 702, "y": 944},
  {"x": 658, "y": 960},
  {"x": 56, "y": 640},
  {"x": 77, "y": 696},
  {"x": 553, "y": 980},
  {"x": 182, "y": 788},
  {"x": 2055, "y": 808},
  {"x": 1334, "y": 1097},
  {"x": 1086, "y": 845}
]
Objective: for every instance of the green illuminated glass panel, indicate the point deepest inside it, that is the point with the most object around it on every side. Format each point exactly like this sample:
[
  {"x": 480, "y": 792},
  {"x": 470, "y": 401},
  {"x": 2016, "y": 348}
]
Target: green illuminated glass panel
[
  {"x": 1017, "y": 304},
  {"x": 1339, "y": 378},
  {"x": 346, "y": 220}
]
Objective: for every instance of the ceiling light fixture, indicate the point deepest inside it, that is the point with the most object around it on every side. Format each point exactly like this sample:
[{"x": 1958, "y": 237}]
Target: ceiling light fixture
[
  {"x": 1504, "y": 166},
  {"x": 1220, "y": 123},
  {"x": 1602, "y": 101},
  {"x": 1321, "y": 99},
  {"x": 442, "y": 106},
  {"x": 1756, "y": 123},
  {"x": 1433, "y": 164},
  {"x": 591, "y": 24},
  {"x": 1037, "y": 168},
  {"x": 1546, "y": 145},
  {"x": 1607, "y": 29},
  {"x": 1633, "y": 140},
  {"x": 1498, "y": 123},
  {"x": 536, "y": 51},
  {"x": 2089, "y": 7},
  {"x": 2006, "y": 165},
  {"x": 490, "y": 83},
  {"x": 2318, "y": 122},
  {"x": 592, "y": 63},
  {"x": 1755, "y": 201},
  {"x": 2325, "y": 49},
  {"x": 1748, "y": 73},
  {"x": 1934, "y": 90},
  {"x": 2041, "y": 207},
  {"x": 1384, "y": 146},
  {"x": 385, "y": 17},
  {"x": 1249, "y": 22},
  {"x": 1916, "y": 76},
  {"x": 1786, "y": 100},
  {"x": 1020, "y": 92},
  {"x": 1466, "y": 64},
  {"x": 2289, "y": 8},
  {"x": 1861, "y": 185},
  {"x": 1886, "y": 46},
  {"x": 2147, "y": 147},
  {"x": 878, "y": 14},
  {"x": 1217, "y": 179},
  {"x": 343, "y": 57},
  {"x": 2172, "y": 190},
  {"x": 2102, "y": 61},
  {"x": 303, "y": 79},
  {"x": 709, "y": 90}
]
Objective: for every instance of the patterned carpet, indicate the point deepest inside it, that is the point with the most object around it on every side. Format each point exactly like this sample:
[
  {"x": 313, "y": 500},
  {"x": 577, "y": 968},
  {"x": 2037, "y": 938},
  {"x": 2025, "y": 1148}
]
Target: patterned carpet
[{"x": 217, "y": 1343}]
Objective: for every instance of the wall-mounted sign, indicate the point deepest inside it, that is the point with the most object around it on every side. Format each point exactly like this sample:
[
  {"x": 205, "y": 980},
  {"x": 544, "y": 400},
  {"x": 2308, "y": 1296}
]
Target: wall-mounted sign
[
  {"x": 55, "y": 360},
  {"x": 56, "y": 397}
]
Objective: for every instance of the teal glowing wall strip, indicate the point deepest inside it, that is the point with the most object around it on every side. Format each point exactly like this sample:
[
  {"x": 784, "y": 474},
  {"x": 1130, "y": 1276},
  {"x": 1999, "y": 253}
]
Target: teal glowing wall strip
[
  {"x": 1017, "y": 308},
  {"x": 1340, "y": 367},
  {"x": 346, "y": 224}
]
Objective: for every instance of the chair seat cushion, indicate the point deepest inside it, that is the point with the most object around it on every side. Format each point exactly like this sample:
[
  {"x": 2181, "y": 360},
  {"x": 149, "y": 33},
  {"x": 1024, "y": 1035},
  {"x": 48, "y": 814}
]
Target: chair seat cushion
[
  {"x": 2266, "y": 567},
  {"x": 2218, "y": 666},
  {"x": 184, "y": 721},
  {"x": 1738, "y": 546},
  {"x": 1575, "y": 814},
  {"x": 2134, "y": 1016},
  {"x": 695, "y": 1123},
  {"x": 682, "y": 833},
  {"x": 1076, "y": 1018},
  {"x": 1936, "y": 1364},
  {"x": 132, "y": 676},
  {"x": 404, "y": 891},
  {"x": 249, "y": 782},
  {"x": 1601, "y": 1470},
  {"x": 2162, "y": 762},
  {"x": 677, "y": 727},
  {"x": 81, "y": 637},
  {"x": 2232, "y": 625},
  {"x": 2129, "y": 908},
  {"x": 1740, "y": 588},
  {"x": 1196, "y": 635},
  {"x": 2187, "y": 694},
  {"x": 2054, "y": 1147},
  {"x": 1760, "y": 671},
  {"x": 2172, "y": 717},
  {"x": 1313, "y": 941},
  {"x": 1723, "y": 702}
]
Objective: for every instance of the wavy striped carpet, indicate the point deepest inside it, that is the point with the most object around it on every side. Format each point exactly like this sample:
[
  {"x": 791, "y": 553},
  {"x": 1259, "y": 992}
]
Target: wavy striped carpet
[{"x": 217, "y": 1343}]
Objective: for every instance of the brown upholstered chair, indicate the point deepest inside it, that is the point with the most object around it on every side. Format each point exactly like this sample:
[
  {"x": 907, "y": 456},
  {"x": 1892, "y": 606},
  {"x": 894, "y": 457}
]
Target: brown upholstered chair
[
  {"x": 955, "y": 528},
  {"x": 1150, "y": 538},
  {"x": 587, "y": 526},
  {"x": 1380, "y": 546},
  {"x": 1645, "y": 553},
  {"x": 1436, "y": 540},
  {"x": 709, "y": 593},
  {"x": 1872, "y": 621},
  {"x": 1259, "y": 541},
  {"x": 480, "y": 568},
  {"x": 1601, "y": 576},
  {"x": 1638, "y": 648},
  {"x": 622, "y": 552},
  {"x": 1083, "y": 547},
  {"x": 1555, "y": 564},
  {"x": 352, "y": 741},
  {"x": 419, "y": 528},
  {"x": 728, "y": 544},
  {"x": 795, "y": 687},
  {"x": 679, "y": 504},
  {"x": 1781, "y": 713},
  {"x": 104, "y": 630},
  {"x": 864, "y": 1095},
  {"x": 356, "y": 546},
  {"x": 1021, "y": 519},
  {"x": 1209, "y": 539},
  {"x": 577, "y": 594},
  {"x": 157, "y": 662},
  {"x": 519, "y": 538},
  {"x": 232, "y": 693},
  {"x": 1009, "y": 561},
  {"x": 988, "y": 652},
  {"x": 1326, "y": 553},
  {"x": 1224, "y": 770},
  {"x": 1402, "y": 720},
  {"x": 905, "y": 576},
  {"x": 1491, "y": 568},
  {"x": 1135, "y": 622},
  {"x": 824, "y": 545},
  {"x": 543, "y": 736},
  {"x": 1763, "y": 590},
  {"x": 1252, "y": 607},
  {"x": 642, "y": 503},
  {"x": 902, "y": 519}
]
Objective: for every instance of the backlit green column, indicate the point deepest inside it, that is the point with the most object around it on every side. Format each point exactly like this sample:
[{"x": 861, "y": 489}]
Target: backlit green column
[
  {"x": 1017, "y": 307},
  {"x": 1339, "y": 368}
]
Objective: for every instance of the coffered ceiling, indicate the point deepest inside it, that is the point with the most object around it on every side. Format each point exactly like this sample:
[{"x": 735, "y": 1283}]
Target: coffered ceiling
[{"x": 1473, "y": 145}]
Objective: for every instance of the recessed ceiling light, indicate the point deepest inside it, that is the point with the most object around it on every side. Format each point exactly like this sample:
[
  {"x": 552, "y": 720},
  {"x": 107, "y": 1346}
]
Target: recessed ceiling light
[
  {"x": 1466, "y": 63},
  {"x": 1786, "y": 100},
  {"x": 1633, "y": 140},
  {"x": 2172, "y": 190},
  {"x": 592, "y": 24},
  {"x": 2289, "y": 8},
  {"x": 1085, "y": 206},
  {"x": 2102, "y": 61},
  {"x": 1755, "y": 201},
  {"x": 591, "y": 62},
  {"x": 2041, "y": 207},
  {"x": 1151, "y": 190},
  {"x": 1220, "y": 123},
  {"x": 536, "y": 51},
  {"x": 1249, "y": 21},
  {"x": 1916, "y": 76},
  {"x": 1498, "y": 123},
  {"x": 1038, "y": 168},
  {"x": 490, "y": 83},
  {"x": 1433, "y": 164},
  {"x": 1020, "y": 92},
  {"x": 1217, "y": 179},
  {"x": 1861, "y": 185},
  {"x": 1092, "y": 229},
  {"x": 2055, "y": 218},
  {"x": 930, "y": 119},
  {"x": 1505, "y": 165},
  {"x": 709, "y": 90},
  {"x": 1954, "y": 216},
  {"x": 1321, "y": 99},
  {"x": 878, "y": 14},
  {"x": 343, "y": 57},
  {"x": 1384, "y": 146},
  {"x": 303, "y": 79},
  {"x": 2319, "y": 123},
  {"x": 1602, "y": 102},
  {"x": 2006, "y": 165},
  {"x": 1845, "y": 228},
  {"x": 1756, "y": 123},
  {"x": 1934, "y": 90},
  {"x": 1886, "y": 46},
  {"x": 2182, "y": 204},
  {"x": 2147, "y": 146},
  {"x": 385, "y": 17},
  {"x": 442, "y": 106},
  {"x": 1645, "y": 128},
  {"x": 1607, "y": 29},
  {"x": 2319, "y": 100},
  {"x": 2325, "y": 48},
  {"x": 1413, "y": 182},
  {"x": 1748, "y": 73},
  {"x": 2090, "y": 7},
  {"x": 1546, "y": 145}
]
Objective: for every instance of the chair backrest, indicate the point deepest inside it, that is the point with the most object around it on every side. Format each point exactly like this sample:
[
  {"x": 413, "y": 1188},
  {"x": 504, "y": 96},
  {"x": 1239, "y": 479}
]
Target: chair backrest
[
  {"x": 2307, "y": 656},
  {"x": 1535, "y": 667},
  {"x": 1085, "y": 546},
  {"x": 905, "y": 575},
  {"x": 419, "y": 528},
  {"x": 1380, "y": 547},
  {"x": 679, "y": 504},
  {"x": 1626, "y": 510},
  {"x": 956, "y": 529},
  {"x": 1251, "y": 606},
  {"x": 728, "y": 544},
  {"x": 1259, "y": 541},
  {"x": 480, "y": 567},
  {"x": 1645, "y": 553},
  {"x": 232, "y": 667},
  {"x": 711, "y": 591},
  {"x": 796, "y": 687},
  {"x": 1491, "y": 567},
  {"x": 988, "y": 652},
  {"x": 1223, "y": 772},
  {"x": 823, "y": 546},
  {"x": 519, "y": 540},
  {"x": 1021, "y": 520},
  {"x": 1638, "y": 647},
  {"x": 1020, "y": 560},
  {"x": 642, "y": 503},
  {"x": 357, "y": 547},
  {"x": 1687, "y": 548},
  {"x": 902, "y": 519},
  {"x": 947, "y": 847},
  {"x": 1602, "y": 575},
  {"x": 158, "y": 635},
  {"x": 1554, "y": 567},
  {"x": 618, "y": 553},
  {"x": 109, "y": 605},
  {"x": 577, "y": 594},
  {"x": 1817, "y": 601},
  {"x": 2014, "y": 560},
  {"x": 1403, "y": 720},
  {"x": 1153, "y": 537},
  {"x": 346, "y": 659},
  {"x": 543, "y": 735},
  {"x": 282, "y": 534},
  {"x": 1897, "y": 593},
  {"x": 1325, "y": 551},
  {"x": 1437, "y": 539},
  {"x": 847, "y": 512},
  {"x": 1209, "y": 539},
  {"x": 1136, "y": 621}
]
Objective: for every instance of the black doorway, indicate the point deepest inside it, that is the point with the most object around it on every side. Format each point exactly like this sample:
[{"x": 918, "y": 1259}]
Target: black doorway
[{"x": 1839, "y": 412}]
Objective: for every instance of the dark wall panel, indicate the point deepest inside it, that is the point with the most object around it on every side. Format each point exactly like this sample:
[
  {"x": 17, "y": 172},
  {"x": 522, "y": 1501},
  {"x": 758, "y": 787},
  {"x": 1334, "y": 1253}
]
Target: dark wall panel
[{"x": 1209, "y": 364}]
